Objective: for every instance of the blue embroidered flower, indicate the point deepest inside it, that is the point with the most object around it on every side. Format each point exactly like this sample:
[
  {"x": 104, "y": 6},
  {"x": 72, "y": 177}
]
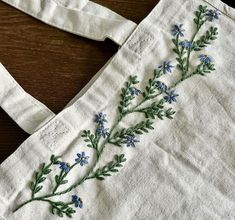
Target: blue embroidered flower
[
  {"x": 100, "y": 118},
  {"x": 166, "y": 67},
  {"x": 161, "y": 86},
  {"x": 82, "y": 159},
  {"x": 213, "y": 15},
  {"x": 171, "y": 96},
  {"x": 134, "y": 91},
  {"x": 65, "y": 167},
  {"x": 77, "y": 201},
  {"x": 102, "y": 131},
  {"x": 130, "y": 141},
  {"x": 177, "y": 30},
  {"x": 206, "y": 59},
  {"x": 186, "y": 44}
]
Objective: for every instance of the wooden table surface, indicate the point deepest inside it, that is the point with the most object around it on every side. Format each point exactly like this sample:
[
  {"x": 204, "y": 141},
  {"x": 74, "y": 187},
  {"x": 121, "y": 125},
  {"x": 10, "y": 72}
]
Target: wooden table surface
[{"x": 52, "y": 65}]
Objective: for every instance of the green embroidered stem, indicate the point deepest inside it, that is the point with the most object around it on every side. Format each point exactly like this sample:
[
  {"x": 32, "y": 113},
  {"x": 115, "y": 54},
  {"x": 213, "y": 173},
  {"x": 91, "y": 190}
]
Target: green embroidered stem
[
  {"x": 200, "y": 20},
  {"x": 157, "y": 110},
  {"x": 41, "y": 176},
  {"x": 111, "y": 167},
  {"x": 190, "y": 49},
  {"x": 182, "y": 62},
  {"x": 151, "y": 90},
  {"x": 120, "y": 137},
  {"x": 59, "y": 208},
  {"x": 60, "y": 179},
  {"x": 126, "y": 96},
  {"x": 206, "y": 39},
  {"x": 200, "y": 16},
  {"x": 92, "y": 140}
]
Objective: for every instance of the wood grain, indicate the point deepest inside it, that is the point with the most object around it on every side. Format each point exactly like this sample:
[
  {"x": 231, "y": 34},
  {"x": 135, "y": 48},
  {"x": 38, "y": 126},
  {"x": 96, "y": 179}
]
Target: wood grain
[{"x": 50, "y": 64}]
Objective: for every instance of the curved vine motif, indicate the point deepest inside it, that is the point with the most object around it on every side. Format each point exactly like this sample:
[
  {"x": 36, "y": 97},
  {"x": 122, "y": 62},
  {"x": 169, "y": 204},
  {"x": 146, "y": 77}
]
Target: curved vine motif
[{"x": 155, "y": 103}]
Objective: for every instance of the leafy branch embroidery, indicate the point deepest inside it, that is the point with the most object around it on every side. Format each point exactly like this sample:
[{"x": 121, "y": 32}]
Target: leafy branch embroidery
[{"x": 154, "y": 103}]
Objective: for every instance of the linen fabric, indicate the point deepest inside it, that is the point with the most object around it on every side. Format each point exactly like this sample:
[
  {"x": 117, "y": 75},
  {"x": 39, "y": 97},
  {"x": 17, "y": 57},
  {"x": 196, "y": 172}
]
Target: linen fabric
[{"x": 184, "y": 169}]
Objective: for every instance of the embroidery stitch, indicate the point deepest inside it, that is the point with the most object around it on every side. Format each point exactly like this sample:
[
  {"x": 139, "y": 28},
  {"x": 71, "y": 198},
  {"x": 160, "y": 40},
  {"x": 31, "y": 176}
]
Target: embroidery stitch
[{"x": 150, "y": 106}]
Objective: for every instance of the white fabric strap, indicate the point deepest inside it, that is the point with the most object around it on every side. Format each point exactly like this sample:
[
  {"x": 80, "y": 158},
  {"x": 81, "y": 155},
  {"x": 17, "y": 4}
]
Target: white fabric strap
[
  {"x": 26, "y": 111},
  {"x": 80, "y": 17}
]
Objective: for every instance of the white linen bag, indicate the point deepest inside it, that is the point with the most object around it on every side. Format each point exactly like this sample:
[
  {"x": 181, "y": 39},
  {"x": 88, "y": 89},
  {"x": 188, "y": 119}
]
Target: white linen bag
[{"x": 113, "y": 152}]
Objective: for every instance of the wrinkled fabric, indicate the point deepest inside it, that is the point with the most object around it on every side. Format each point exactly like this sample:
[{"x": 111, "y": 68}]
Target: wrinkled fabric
[{"x": 184, "y": 169}]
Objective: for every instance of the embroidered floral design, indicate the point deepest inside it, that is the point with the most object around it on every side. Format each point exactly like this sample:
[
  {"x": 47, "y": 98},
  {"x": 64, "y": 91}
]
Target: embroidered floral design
[
  {"x": 102, "y": 131},
  {"x": 154, "y": 102},
  {"x": 65, "y": 167},
  {"x": 161, "y": 86},
  {"x": 206, "y": 59},
  {"x": 183, "y": 49},
  {"x": 170, "y": 96},
  {"x": 186, "y": 44},
  {"x": 82, "y": 159},
  {"x": 131, "y": 141},
  {"x": 77, "y": 201},
  {"x": 166, "y": 67},
  {"x": 213, "y": 15},
  {"x": 100, "y": 118},
  {"x": 134, "y": 91},
  {"x": 178, "y": 30}
]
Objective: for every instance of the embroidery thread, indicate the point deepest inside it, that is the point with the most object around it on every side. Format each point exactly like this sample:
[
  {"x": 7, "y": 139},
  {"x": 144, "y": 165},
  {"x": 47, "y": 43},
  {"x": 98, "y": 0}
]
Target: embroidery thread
[{"x": 156, "y": 101}]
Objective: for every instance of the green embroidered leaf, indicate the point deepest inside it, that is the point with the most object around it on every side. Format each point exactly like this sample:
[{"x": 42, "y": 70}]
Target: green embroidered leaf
[
  {"x": 204, "y": 69},
  {"x": 139, "y": 128},
  {"x": 120, "y": 137},
  {"x": 90, "y": 139},
  {"x": 55, "y": 160},
  {"x": 64, "y": 182},
  {"x": 156, "y": 109},
  {"x": 61, "y": 209},
  {"x": 206, "y": 39},
  {"x": 110, "y": 168},
  {"x": 151, "y": 90},
  {"x": 180, "y": 51},
  {"x": 169, "y": 113},
  {"x": 200, "y": 18},
  {"x": 37, "y": 189},
  {"x": 41, "y": 179},
  {"x": 126, "y": 96}
]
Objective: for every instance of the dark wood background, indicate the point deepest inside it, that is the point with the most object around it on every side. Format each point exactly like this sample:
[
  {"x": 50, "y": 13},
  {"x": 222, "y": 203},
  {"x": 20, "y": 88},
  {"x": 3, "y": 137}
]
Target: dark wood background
[{"x": 50, "y": 64}]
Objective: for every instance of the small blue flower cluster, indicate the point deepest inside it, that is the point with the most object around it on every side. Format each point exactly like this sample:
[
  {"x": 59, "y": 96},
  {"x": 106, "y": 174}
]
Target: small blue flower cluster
[
  {"x": 81, "y": 159},
  {"x": 65, "y": 167},
  {"x": 213, "y": 15},
  {"x": 100, "y": 119},
  {"x": 77, "y": 201},
  {"x": 166, "y": 67},
  {"x": 134, "y": 91},
  {"x": 170, "y": 94},
  {"x": 186, "y": 44},
  {"x": 130, "y": 141},
  {"x": 177, "y": 30},
  {"x": 206, "y": 59}
]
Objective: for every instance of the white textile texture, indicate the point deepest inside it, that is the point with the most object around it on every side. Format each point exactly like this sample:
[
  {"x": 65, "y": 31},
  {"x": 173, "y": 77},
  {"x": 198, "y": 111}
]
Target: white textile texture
[{"x": 182, "y": 169}]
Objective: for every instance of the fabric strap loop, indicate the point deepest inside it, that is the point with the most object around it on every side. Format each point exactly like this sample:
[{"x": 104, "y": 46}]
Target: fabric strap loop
[
  {"x": 85, "y": 18},
  {"x": 26, "y": 111}
]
